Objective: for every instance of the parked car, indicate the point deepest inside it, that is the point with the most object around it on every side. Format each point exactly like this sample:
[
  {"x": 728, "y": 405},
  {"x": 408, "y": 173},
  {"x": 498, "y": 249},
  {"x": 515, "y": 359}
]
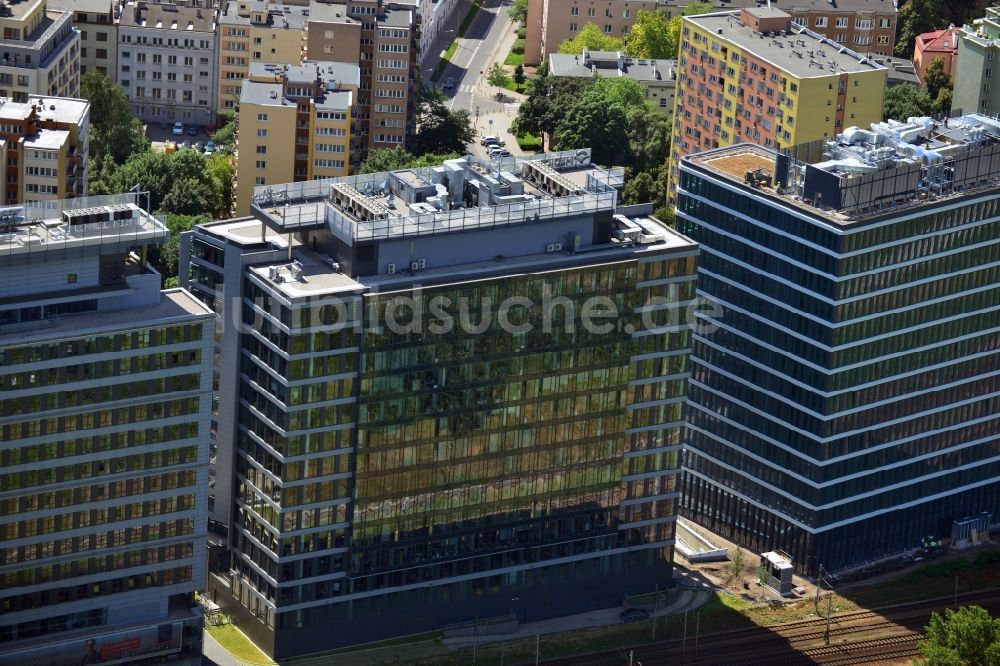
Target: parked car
[
  {"x": 503, "y": 153},
  {"x": 197, "y": 146},
  {"x": 449, "y": 83},
  {"x": 184, "y": 146},
  {"x": 633, "y": 615},
  {"x": 209, "y": 148},
  {"x": 192, "y": 130},
  {"x": 178, "y": 128},
  {"x": 491, "y": 139},
  {"x": 492, "y": 146}
]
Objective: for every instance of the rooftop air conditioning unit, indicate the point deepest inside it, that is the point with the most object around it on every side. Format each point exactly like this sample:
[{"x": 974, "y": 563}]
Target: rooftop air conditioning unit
[
  {"x": 417, "y": 264},
  {"x": 553, "y": 247},
  {"x": 390, "y": 269}
]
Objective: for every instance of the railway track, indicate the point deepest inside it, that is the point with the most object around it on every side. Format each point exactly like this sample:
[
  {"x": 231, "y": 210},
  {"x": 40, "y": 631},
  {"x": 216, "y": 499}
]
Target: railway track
[{"x": 860, "y": 637}]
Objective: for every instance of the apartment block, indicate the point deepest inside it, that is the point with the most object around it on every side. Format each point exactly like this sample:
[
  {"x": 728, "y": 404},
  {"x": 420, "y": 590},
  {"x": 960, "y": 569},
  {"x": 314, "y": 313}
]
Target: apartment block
[
  {"x": 658, "y": 76},
  {"x": 295, "y": 124},
  {"x": 39, "y": 51},
  {"x": 868, "y": 26},
  {"x": 978, "y": 46},
  {"x": 435, "y": 17},
  {"x": 167, "y": 62},
  {"x": 383, "y": 39},
  {"x": 845, "y": 406},
  {"x": 395, "y": 465},
  {"x": 937, "y": 44},
  {"x": 105, "y": 393},
  {"x": 95, "y": 20},
  {"x": 45, "y": 145},
  {"x": 756, "y": 76},
  {"x": 256, "y": 31}
]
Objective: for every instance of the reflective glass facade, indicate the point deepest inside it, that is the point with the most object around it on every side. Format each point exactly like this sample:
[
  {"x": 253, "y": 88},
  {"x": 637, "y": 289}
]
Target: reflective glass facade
[
  {"x": 849, "y": 400},
  {"x": 394, "y": 474}
]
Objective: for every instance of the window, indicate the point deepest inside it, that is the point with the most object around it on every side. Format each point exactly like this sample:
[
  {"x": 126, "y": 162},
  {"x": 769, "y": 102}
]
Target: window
[
  {"x": 262, "y": 132},
  {"x": 607, "y": 28},
  {"x": 884, "y": 23},
  {"x": 591, "y": 12},
  {"x": 842, "y": 22},
  {"x": 820, "y": 22},
  {"x": 572, "y": 27},
  {"x": 663, "y": 103},
  {"x": 864, "y": 24},
  {"x": 71, "y": 278},
  {"x": 882, "y": 39},
  {"x": 261, "y": 150},
  {"x": 262, "y": 117},
  {"x": 625, "y": 14},
  {"x": 261, "y": 164}
]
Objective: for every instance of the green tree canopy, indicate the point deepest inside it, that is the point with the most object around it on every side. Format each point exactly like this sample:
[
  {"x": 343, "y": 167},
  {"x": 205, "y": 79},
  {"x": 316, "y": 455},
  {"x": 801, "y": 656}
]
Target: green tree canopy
[
  {"x": 905, "y": 100},
  {"x": 966, "y": 637},
  {"x": 496, "y": 75},
  {"x": 649, "y": 133},
  {"x": 519, "y": 77},
  {"x": 225, "y": 136},
  {"x": 914, "y": 18},
  {"x": 943, "y": 102},
  {"x": 596, "y": 122},
  {"x": 641, "y": 188},
  {"x": 113, "y": 130},
  {"x": 166, "y": 257},
  {"x": 674, "y": 28},
  {"x": 390, "y": 159},
  {"x": 548, "y": 99},
  {"x": 649, "y": 36},
  {"x": 518, "y": 11},
  {"x": 593, "y": 39},
  {"x": 935, "y": 79},
  {"x": 439, "y": 129}
]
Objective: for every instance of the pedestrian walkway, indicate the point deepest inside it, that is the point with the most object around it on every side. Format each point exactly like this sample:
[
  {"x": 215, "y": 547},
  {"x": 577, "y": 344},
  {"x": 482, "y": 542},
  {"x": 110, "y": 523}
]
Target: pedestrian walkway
[{"x": 687, "y": 600}]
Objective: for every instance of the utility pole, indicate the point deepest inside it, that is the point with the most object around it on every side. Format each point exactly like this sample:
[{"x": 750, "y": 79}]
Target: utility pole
[
  {"x": 819, "y": 584},
  {"x": 697, "y": 630},
  {"x": 829, "y": 617},
  {"x": 537, "y": 640},
  {"x": 684, "y": 636},
  {"x": 475, "y": 641}
]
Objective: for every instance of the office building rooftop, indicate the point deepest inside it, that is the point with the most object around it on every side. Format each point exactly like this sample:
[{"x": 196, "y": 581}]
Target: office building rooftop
[
  {"x": 870, "y": 173},
  {"x": 266, "y": 14},
  {"x": 770, "y": 35},
  {"x": 167, "y": 16},
  {"x": 458, "y": 195},
  {"x": 36, "y": 229}
]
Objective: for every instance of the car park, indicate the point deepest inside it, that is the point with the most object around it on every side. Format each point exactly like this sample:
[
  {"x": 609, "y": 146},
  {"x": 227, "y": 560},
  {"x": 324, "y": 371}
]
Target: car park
[{"x": 178, "y": 129}]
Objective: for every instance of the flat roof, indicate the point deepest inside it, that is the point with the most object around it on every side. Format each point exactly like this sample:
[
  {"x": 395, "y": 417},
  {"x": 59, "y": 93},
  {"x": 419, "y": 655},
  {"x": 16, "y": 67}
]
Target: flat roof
[
  {"x": 256, "y": 92},
  {"x": 246, "y": 231},
  {"x": 94, "y": 6},
  {"x": 606, "y": 64},
  {"x": 789, "y": 53},
  {"x": 176, "y": 305},
  {"x": 329, "y": 13},
  {"x": 167, "y": 17},
  {"x": 47, "y": 139},
  {"x": 289, "y": 17},
  {"x": 316, "y": 276}
]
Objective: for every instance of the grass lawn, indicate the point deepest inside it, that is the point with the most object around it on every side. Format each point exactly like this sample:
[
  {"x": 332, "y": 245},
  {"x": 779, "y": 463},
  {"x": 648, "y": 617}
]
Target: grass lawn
[
  {"x": 514, "y": 58},
  {"x": 450, "y": 51},
  {"x": 233, "y": 640},
  {"x": 529, "y": 142}
]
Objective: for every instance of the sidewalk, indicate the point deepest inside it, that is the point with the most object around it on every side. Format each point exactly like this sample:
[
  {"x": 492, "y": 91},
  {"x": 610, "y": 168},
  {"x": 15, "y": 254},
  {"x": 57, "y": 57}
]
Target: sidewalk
[{"x": 687, "y": 600}]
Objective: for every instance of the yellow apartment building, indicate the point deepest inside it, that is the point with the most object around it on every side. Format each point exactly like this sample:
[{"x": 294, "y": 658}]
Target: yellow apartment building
[
  {"x": 756, "y": 76},
  {"x": 256, "y": 31},
  {"x": 295, "y": 124}
]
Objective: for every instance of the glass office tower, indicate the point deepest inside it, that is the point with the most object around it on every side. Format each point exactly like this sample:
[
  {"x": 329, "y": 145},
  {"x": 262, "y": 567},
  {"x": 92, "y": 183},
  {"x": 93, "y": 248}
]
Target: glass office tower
[
  {"x": 849, "y": 402},
  {"x": 428, "y": 424},
  {"x": 105, "y": 389}
]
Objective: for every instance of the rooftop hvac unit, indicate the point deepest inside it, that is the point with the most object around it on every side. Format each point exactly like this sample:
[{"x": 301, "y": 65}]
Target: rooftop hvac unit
[
  {"x": 272, "y": 272},
  {"x": 553, "y": 247},
  {"x": 390, "y": 269},
  {"x": 295, "y": 270},
  {"x": 418, "y": 264}
]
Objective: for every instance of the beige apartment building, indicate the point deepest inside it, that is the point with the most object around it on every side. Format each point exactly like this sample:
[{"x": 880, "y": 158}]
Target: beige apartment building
[
  {"x": 658, "y": 76},
  {"x": 383, "y": 38},
  {"x": 44, "y": 142},
  {"x": 95, "y": 20},
  {"x": 256, "y": 31},
  {"x": 866, "y": 26},
  {"x": 39, "y": 51},
  {"x": 295, "y": 124}
]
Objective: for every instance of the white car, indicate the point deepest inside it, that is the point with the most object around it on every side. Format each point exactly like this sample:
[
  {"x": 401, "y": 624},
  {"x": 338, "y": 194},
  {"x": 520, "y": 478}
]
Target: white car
[
  {"x": 491, "y": 139},
  {"x": 178, "y": 128}
]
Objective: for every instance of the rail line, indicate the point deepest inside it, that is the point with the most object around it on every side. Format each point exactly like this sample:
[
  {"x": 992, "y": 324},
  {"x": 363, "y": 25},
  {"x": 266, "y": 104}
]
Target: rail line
[{"x": 859, "y": 637}]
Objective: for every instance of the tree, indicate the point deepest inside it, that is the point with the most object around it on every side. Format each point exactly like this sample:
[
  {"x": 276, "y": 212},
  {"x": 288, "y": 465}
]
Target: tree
[
  {"x": 935, "y": 79},
  {"x": 591, "y": 38},
  {"x": 439, "y": 129},
  {"x": 641, "y": 188},
  {"x": 966, "y": 637},
  {"x": 737, "y": 563},
  {"x": 518, "y": 11},
  {"x": 904, "y": 101},
  {"x": 519, "y": 77},
  {"x": 763, "y": 572},
  {"x": 225, "y": 136},
  {"x": 649, "y": 133},
  {"x": 496, "y": 75},
  {"x": 914, "y": 18},
  {"x": 391, "y": 159},
  {"x": 591, "y": 121},
  {"x": 943, "y": 102},
  {"x": 674, "y": 28},
  {"x": 649, "y": 36},
  {"x": 548, "y": 99},
  {"x": 113, "y": 130}
]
